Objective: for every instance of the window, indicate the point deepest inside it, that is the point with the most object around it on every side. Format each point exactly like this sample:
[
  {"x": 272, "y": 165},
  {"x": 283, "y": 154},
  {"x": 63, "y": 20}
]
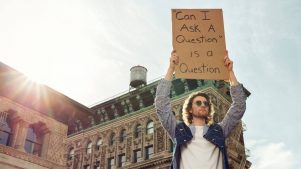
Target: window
[
  {"x": 150, "y": 127},
  {"x": 97, "y": 165},
  {"x": 123, "y": 135},
  {"x": 121, "y": 160},
  {"x": 89, "y": 148},
  {"x": 112, "y": 138},
  {"x": 149, "y": 151},
  {"x": 98, "y": 144},
  {"x": 111, "y": 164},
  {"x": 137, "y": 156},
  {"x": 137, "y": 131},
  {"x": 87, "y": 167},
  {"x": 33, "y": 143},
  {"x": 171, "y": 145},
  {"x": 5, "y": 130},
  {"x": 71, "y": 154}
]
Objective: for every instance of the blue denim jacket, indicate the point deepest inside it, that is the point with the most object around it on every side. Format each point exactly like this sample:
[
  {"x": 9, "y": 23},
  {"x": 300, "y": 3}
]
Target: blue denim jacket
[{"x": 180, "y": 133}]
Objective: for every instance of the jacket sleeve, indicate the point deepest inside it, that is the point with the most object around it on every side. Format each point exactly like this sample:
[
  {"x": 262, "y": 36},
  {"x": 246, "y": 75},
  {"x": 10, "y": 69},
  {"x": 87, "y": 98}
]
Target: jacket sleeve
[
  {"x": 236, "y": 110},
  {"x": 163, "y": 108}
]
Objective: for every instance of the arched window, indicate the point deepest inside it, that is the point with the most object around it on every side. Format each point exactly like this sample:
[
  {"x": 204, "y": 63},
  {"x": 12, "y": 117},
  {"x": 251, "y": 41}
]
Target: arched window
[
  {"x": 5, "y": 130},
  {"x": 89, "y": 148},
  {"x": 150, "y": 127},
  {"x": 33, "y": 143},
  {"x": 137, "y": 131},
  {"x": 123, "y": 135},
  {"x": 71, "y": 154},
  {"x": 98, "y": 144},
  {"x": 112, "y": 139}
]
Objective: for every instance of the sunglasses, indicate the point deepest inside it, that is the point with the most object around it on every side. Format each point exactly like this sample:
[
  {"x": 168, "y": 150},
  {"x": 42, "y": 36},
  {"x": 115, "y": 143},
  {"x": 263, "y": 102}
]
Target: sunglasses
[{"x": 201, "y": 103}]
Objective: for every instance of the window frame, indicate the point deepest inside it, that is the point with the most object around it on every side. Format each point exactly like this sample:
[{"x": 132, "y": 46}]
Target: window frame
[
  {"x": 97, "y": 165},
  {"x": 89, "y": 148},
  {"x": 123, "y": 136},
  {"x": 150, "y": 129},
  {"x": 98, "y": 145},
  {"x": 137, "y": 131},
  {"x": 147, "y": 154},
  {"x": 110, "y": 164},
  {"x": 112, "y": 139},
  {"x": 121, "y": 163},
  {"x": 5, "y": 134},
  {"x": 70, "y": 154},
  {"x": 33, "y": 141},
  {"x": 135, "y": 156}
]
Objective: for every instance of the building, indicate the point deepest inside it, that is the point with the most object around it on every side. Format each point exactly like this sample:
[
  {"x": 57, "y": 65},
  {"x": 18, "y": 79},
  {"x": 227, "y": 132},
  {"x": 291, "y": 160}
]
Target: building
[
  {"x": 34, "y": 122},
  {"x": 121, "y": 132}
]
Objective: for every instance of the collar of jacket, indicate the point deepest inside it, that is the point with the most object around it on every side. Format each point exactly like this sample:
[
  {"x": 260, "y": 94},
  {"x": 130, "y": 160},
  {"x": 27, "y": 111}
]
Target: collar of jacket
[{"x": 213, "y": 133}]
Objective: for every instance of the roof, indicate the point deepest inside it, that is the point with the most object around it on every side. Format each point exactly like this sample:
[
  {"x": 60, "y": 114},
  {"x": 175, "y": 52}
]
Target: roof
[{"x": 18, "y": 88}]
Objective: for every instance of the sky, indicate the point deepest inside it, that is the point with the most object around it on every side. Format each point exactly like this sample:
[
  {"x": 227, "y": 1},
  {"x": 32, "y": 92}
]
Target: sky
[{"x": 85, "y": 49}]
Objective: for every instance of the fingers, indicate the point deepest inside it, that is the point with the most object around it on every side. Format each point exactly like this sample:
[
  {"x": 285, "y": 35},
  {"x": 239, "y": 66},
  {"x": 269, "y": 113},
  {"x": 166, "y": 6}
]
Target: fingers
[
  {"x": 226, "y": 55},
  {"x": 227, "y": 62},
  {"x": 174, "y": 57},
  {"x": 174, "y": 60},
  {"x": 173, "y": 51}
]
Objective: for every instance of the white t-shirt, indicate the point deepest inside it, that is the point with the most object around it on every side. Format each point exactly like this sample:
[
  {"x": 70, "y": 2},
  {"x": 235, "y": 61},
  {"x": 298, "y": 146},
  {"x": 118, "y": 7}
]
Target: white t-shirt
[{"x": 200, "y": 153}]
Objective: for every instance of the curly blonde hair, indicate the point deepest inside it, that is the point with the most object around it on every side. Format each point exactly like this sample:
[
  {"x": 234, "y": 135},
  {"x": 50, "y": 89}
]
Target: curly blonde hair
[{"x": 187, "y": 106}]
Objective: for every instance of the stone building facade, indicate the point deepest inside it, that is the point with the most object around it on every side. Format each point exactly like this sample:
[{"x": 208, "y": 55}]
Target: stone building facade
[
  {"x": 34, "y": 123},
  {"x": 32, "y": 140}
]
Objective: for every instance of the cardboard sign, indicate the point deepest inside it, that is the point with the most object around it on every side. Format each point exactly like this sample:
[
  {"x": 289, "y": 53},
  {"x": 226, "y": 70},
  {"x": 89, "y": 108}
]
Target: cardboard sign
[{"x": 199, "y": 39}]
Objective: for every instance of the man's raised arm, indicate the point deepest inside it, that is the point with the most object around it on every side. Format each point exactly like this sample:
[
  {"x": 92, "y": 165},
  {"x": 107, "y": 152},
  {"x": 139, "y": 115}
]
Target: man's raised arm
[
  {"x": 238, "y": 106},
  {"x": 162, "y": 100}
]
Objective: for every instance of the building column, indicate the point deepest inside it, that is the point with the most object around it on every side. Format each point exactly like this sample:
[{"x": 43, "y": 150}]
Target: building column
[
  {"x": 19, "y": 133},
  {"x": 45, "y": 143}
]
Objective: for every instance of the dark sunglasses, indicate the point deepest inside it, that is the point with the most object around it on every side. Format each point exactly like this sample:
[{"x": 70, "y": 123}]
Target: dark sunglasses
[{"x": 200, "y": 103}]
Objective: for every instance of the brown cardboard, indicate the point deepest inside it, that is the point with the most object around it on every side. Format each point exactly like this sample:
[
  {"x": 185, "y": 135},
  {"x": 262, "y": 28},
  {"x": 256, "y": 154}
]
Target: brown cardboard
[{"x": 199, "y": 39}]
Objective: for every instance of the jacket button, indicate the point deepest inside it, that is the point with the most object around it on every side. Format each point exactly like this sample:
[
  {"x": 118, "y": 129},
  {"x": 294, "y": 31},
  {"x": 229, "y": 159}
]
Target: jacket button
[{"x": 184, "y": 140}]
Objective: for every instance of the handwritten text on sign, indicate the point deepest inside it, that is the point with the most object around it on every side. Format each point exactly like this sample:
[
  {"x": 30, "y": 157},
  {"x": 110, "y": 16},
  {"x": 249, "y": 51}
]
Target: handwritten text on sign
[{"x": 198, "y": 37}]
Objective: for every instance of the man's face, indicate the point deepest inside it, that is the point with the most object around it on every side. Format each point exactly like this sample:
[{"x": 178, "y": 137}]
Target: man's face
[{"x": 200, "y": 107}]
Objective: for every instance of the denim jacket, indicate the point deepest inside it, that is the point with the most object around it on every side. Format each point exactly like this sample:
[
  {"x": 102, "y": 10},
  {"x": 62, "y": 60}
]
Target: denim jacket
[{"x": 180, "y": 133}]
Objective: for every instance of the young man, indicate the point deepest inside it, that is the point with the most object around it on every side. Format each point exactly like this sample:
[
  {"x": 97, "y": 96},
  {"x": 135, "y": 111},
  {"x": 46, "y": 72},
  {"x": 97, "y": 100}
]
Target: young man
[{"x": 199, "y": 144}]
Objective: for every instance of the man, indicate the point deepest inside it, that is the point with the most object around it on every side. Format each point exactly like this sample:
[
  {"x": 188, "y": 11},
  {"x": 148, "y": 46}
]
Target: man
[{"x": 199, "y": 144}]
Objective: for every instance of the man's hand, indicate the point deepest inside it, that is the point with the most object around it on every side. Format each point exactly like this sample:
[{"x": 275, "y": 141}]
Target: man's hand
[
  {"x": 173, "y": 62},
  {"x": 228, "y": 63}
]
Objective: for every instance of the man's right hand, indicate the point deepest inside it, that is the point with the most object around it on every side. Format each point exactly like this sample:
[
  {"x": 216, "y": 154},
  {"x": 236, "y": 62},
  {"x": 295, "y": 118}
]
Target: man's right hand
[{"x": 173, "y": 62}]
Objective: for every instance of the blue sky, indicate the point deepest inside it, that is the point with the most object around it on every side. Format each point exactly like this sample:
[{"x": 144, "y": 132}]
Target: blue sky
[{"x": 85, "y": 50}]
